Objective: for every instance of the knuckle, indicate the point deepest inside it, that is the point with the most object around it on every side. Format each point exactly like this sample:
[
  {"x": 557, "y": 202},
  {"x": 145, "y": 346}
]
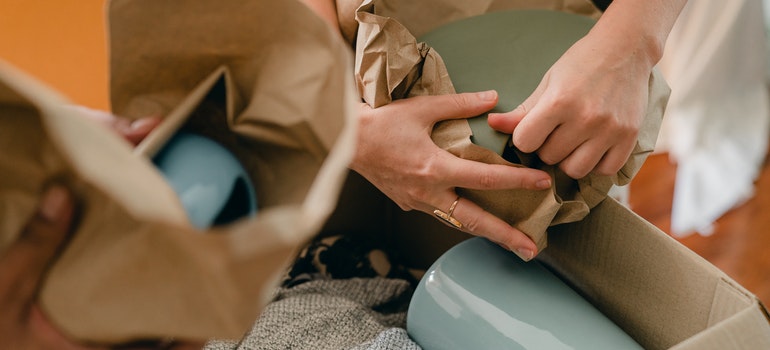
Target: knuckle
[
  {"x": 548, "y": 157},
  {"x": 460, "y": 101},
  {"x": 473, "y": 224},
  {"x": 417, "y": 194},
  {"x": 608, "y": 169},
  {"x": 488, "y": 181},
  {"x": 629, "y": 132},
  {"x": 575, "y": 172}
]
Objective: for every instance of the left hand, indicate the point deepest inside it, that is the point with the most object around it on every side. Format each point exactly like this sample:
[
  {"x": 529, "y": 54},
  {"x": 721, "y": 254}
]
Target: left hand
[
  {"x": 133, "y": 131},
  {"x": 586, "y": 112},
  {"x": 23, "y": 268}
]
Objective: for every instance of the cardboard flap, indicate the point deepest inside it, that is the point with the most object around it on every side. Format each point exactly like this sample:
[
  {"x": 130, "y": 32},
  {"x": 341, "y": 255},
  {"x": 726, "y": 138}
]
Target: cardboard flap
[
  {"x": 746, "y": 329},
  {"x": 623, "y": 265}
]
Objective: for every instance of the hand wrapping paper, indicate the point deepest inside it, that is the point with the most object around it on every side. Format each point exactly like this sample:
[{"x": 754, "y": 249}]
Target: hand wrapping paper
[
  {"x": 267, "y": 79},
  {"x": 391, "y": 64}
]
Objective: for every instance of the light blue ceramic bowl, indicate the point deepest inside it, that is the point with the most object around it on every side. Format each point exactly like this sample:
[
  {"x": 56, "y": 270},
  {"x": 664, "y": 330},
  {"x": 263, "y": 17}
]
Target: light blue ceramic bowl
[
  {"x": 212, "y": 185},
  {"x": 480, "y": 296}
]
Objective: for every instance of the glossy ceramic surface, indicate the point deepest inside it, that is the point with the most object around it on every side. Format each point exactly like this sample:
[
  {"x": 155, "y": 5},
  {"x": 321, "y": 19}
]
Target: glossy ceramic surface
[
  {"x": 213, "y": 186},
  {"x": 480, "y": 296}
]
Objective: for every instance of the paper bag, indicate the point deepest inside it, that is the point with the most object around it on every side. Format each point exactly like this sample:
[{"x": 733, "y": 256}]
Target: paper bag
[
  {"x": 267, "y": 79},
  {"x": 392, "y": 64}
]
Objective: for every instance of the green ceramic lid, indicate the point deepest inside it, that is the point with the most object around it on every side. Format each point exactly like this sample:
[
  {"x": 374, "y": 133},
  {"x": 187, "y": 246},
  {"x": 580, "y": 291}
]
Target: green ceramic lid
[{"x": 506, "y": 51}]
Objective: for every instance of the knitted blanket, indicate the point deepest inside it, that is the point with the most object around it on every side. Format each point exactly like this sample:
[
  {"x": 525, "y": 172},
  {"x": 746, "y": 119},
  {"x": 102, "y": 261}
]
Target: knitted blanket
[{"x": 339, "y": 294}]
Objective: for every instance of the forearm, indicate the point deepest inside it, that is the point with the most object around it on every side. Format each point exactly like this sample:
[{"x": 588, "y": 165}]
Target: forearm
[{"x": 638, "y": 28}]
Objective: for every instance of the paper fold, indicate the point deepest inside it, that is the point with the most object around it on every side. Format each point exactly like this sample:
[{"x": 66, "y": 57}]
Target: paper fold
[
  {"x": 268, "y": 80},
  {"x": 392, "y": 64}
]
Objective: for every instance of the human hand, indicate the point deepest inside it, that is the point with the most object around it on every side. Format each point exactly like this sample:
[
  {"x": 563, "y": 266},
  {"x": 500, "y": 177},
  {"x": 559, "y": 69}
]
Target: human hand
[
  {"x": 23, "y": 266},
  {"x": 134, "y": 131},
  {"x": 397, "y": 155},
  {"x": 586, "y": 113}
]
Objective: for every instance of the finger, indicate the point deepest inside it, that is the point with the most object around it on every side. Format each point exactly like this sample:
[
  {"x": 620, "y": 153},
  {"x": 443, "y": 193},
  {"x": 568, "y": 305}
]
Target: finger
[
  {"x": 453, "y": 106},
  {"x": 534, "y": 129},
  {"x": 135, "y": 131},
  {"x": 561, "y": 143},
  {"x": 46, "y": 333},
  {"x": 507, "y": 122},
  {"x": 26, "y": 260},
  {"x": 479, "y": 222},
  {"x": 583, "y": 160},
  {"x": 481, "y": 176},
  {"x": 615, "y": 158}
]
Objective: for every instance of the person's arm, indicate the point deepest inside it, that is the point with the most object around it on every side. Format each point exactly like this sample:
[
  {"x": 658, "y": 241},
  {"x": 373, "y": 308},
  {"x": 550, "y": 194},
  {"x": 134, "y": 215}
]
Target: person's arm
[
  {"x": 25, "y": 262},
  {"x": 586, "y": 113},
  {"x": 397, "y": 155}
]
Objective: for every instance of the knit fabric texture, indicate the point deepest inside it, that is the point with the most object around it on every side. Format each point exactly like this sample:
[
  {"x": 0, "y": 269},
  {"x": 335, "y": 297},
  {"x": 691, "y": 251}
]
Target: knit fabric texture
[{"x": 339, "y": 294}]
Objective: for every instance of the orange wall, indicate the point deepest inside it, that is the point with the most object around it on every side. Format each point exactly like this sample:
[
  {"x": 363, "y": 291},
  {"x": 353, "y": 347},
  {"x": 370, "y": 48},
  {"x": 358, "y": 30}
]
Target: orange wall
[{"x": 61, "y": 42}]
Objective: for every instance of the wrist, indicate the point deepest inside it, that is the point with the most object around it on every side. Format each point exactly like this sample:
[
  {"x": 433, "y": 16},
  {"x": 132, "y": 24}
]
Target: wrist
[{"x": 638, "y": 29}]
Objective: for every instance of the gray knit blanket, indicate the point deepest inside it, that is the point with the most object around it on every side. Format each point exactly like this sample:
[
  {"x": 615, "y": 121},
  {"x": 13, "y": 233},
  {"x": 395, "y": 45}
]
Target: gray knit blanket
[{"x": 339, "y": 294}]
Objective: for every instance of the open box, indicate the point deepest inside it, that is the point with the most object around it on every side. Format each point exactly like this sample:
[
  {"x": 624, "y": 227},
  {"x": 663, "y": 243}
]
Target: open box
[{"x": 657, "y": 290}]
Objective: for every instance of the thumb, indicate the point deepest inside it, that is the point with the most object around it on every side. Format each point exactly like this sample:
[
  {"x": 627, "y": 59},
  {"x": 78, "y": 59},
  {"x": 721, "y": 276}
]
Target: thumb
[
  {"x": 507, "y": 122},
  {"x": 453, "y": 106},
  {"x": 26, "y": 260}
]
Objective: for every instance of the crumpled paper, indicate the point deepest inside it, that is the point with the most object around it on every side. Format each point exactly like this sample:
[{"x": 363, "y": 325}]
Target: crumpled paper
[
  {"x": 267, "y": 79},
  {"x": 392, "y": 64}
]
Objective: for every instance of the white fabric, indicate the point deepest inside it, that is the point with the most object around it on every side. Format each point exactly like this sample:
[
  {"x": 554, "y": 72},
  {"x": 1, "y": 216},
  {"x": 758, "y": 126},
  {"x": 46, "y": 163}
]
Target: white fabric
[{"x": 716, "y": 124}]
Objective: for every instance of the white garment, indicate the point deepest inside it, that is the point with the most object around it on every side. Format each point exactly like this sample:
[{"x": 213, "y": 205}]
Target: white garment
[{"x": 717, "y": 121}]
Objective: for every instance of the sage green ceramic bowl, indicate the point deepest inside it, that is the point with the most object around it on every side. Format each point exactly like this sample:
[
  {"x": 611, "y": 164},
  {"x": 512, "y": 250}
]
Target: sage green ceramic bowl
[
  {"x": 211, "y": 183},
  {"x": 480, "y": 296}
]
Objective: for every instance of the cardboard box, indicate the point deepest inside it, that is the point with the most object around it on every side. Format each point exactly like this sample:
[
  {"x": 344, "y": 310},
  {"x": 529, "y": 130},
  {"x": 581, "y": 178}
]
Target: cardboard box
[{"x": 657, "y": 290}]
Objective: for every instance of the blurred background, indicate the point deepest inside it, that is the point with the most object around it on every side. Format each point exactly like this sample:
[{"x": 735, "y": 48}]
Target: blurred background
[{"x": 708, "y": 184}]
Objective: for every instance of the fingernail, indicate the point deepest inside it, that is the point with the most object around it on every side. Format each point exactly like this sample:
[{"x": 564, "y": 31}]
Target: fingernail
[
  {"x": 525, "y": 254},
  {"x": 141, "y": 123},
  {"x": 543, "y": 184},
  {"x": 53, "y": 203},
  {"x": 488, "y": 95}
]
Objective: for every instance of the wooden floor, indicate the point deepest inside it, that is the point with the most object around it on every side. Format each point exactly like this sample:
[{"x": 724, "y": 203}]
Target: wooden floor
[{"x": 740, "y": 244}]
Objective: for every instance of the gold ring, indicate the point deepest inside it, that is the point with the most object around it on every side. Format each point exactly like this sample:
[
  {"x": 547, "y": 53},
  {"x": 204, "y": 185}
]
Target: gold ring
[{"x": 447, "y": 217}]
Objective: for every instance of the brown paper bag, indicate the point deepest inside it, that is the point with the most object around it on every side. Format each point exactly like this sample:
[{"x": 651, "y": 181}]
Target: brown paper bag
[
  {"x": 392, "y": 64},
  {"x": 269, "y": 80}
]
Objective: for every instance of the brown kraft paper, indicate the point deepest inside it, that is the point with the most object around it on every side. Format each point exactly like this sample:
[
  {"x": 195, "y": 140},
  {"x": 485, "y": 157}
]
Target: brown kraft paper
[
  {"x": 269, "y": 80},
  {"x": 391, "y": 64}
]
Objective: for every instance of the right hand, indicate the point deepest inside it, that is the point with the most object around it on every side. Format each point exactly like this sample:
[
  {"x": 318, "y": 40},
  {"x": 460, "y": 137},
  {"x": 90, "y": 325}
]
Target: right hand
[{"x": 397, "y": 155}]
